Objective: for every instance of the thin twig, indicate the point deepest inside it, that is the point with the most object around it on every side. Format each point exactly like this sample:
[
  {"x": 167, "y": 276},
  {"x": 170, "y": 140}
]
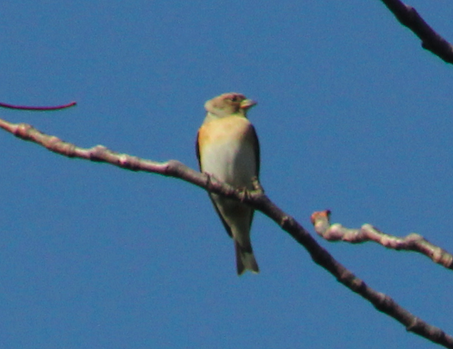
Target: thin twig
[
  {"x": 21, "y": 107},
  {"x": 412, "y": 242}
]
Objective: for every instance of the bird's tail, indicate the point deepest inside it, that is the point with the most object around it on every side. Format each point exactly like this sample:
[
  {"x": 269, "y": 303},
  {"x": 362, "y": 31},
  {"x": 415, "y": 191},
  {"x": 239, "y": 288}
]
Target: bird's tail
[{"x": 245, "y": 259}]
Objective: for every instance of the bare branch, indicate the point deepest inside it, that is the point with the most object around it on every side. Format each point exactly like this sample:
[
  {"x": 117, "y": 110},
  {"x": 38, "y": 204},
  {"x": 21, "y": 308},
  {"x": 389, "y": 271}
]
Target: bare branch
[
  {"x": 412, "y": 242},
  {"x": 21, "y": 107},
  {"x": 258, "y": 200},
  {"x": 431, "y": 41}
]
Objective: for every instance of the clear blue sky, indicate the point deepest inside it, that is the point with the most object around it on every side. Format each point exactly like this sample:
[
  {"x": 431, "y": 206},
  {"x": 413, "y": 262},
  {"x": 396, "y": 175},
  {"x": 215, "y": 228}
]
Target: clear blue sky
[{"x": 352, "y": 115}]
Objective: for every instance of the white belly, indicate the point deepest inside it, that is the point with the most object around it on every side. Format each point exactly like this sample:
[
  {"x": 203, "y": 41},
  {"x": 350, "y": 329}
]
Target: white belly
[{"x": 233, "y": 162}]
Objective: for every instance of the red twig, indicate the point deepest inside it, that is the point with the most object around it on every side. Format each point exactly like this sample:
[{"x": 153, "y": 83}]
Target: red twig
[{"x": 20, "y": 107}]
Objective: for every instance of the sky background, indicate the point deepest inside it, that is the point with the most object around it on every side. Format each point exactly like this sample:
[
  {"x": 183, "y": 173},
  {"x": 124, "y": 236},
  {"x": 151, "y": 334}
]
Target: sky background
[{"x": 353, "y": 115}]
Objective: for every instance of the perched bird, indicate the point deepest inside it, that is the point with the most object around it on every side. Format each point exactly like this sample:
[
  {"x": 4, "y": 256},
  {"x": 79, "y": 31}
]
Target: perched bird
[{"x": 228, "y": 149}]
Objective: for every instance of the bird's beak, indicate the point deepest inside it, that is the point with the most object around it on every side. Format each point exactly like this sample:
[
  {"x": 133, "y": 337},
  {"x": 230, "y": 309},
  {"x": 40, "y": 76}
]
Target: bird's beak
[{"x": 247, "y": 103}]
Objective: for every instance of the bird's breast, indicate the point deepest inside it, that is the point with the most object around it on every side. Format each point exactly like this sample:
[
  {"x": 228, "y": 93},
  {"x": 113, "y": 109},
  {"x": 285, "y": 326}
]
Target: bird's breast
[{"x": 227, "y": 150}]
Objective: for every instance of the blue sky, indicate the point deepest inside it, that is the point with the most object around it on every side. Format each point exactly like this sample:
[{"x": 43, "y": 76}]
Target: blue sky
[{"x": 353, "y": 115}]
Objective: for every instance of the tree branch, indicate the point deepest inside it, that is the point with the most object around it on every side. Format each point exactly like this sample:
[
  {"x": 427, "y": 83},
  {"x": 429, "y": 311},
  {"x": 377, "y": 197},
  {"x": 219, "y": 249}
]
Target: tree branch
[
  {"x": 431, "y": 40},
  {"x": 258, "y": 200},
  {"x": 412, "y": 242}
]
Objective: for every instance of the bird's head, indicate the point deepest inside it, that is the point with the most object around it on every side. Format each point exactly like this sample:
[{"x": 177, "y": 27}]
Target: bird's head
[{"x": 228, "y": 104}]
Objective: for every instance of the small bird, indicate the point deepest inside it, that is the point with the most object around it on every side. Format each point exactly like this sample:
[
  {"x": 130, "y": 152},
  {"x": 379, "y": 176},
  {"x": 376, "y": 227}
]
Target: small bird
[{"x": 228, "y": 149}]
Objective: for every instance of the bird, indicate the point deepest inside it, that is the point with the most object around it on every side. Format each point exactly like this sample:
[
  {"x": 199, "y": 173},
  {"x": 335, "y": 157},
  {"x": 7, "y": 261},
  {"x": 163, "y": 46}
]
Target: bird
[{"x": 228, "y": 149}]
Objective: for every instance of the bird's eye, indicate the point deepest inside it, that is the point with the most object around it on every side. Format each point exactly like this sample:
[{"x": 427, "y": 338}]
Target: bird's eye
[{"x": 234, "y": 98}]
